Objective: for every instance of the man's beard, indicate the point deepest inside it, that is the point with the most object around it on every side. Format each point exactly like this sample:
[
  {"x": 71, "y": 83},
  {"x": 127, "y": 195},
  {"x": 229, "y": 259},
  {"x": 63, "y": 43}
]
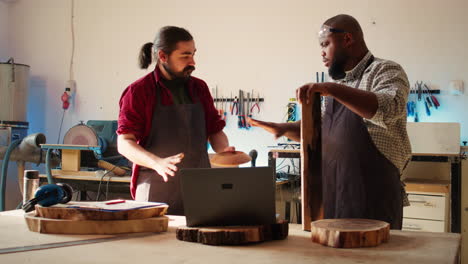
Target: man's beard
[
  {"x": 336, "y": 70},
  {"x": 183, "y": 75}
]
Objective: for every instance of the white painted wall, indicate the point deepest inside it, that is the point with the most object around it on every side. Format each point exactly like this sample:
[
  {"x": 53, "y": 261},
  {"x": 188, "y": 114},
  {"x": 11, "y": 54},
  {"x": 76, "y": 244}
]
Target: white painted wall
[
  {"x": 266, "y": 45},
  {"x": 4, "y": 46}
]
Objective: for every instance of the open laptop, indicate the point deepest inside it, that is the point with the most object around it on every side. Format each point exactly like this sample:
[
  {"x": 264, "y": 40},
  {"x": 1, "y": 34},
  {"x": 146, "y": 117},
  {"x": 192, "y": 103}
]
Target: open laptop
[{"x": 228, "y": 196}]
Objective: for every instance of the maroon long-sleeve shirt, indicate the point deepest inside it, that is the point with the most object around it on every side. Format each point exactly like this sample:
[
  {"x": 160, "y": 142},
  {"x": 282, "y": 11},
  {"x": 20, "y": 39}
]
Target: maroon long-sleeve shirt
[{"x": 137, "y": 104}]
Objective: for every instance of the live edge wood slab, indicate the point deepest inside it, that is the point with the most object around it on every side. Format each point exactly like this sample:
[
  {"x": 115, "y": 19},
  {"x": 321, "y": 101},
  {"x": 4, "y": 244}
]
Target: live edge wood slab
[
  {"x": 108, "y": 217},
  {"x": 95, "y": 227},
  {"x": 233, "y": 235},
  {"x": 350, "y": 233},
  {"x": 128, "y": 210}
]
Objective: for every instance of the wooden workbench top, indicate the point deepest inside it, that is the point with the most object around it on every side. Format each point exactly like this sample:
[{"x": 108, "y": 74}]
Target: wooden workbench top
[
  {"x": 403, "y": 247},
  {"x": 91, "y": 178}
]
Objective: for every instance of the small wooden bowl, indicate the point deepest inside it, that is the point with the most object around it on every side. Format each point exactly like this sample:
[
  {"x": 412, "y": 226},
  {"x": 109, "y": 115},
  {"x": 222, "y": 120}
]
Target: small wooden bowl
[{"x": 229, "y": 158}]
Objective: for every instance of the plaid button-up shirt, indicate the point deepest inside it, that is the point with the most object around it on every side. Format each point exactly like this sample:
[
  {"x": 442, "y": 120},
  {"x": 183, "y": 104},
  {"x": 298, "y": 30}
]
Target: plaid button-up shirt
[{"x": 387, "y": 128}]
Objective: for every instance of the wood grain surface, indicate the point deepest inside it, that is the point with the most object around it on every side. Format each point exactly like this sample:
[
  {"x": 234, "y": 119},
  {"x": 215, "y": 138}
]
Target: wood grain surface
[
  {"x": 311, "y": 160},
  {"x": 104, "y": 227},
  {"x": 100, "y": 211},
  {"x": 233, "y": 235},
  {"x": 350, "y": 233}
]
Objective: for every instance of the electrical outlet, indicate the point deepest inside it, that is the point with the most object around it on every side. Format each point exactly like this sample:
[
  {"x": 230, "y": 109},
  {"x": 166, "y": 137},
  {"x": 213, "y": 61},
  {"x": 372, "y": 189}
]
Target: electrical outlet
[
  {"x": 72, "y": 85},
  {"x": 456, "y": 87}
]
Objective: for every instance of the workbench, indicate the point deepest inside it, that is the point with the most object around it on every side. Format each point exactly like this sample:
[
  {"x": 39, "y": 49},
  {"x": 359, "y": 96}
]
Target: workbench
[{"x": 403, "y": 247}]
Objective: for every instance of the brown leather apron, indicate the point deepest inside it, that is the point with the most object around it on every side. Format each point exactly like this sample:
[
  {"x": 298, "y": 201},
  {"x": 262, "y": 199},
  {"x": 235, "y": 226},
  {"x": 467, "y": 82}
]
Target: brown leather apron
[
  {"x": 175, "y": 128},
  {"x": 358, "y": 180}
]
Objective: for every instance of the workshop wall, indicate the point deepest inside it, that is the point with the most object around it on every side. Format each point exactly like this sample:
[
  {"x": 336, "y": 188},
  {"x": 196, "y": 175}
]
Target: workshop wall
[
  {"x": 4, "y": 46},
  {"x": 269, "y": 46}
]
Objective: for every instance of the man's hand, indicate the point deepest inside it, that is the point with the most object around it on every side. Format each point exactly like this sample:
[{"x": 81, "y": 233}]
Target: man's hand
[
  {"x": 229, "y": 149},
  {"x": 167, "y": 166},
  {"x": 273, "y": 128},
  {"x": 305, "y": 92}
]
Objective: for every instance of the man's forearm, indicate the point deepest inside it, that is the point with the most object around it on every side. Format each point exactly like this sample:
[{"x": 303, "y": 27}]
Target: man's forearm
[
  {"x": 219, "y": 141},
  {"x": 363, "y": 103},
  {"x": 136, "y": 153},
  {"x": 292, "y": 130}
]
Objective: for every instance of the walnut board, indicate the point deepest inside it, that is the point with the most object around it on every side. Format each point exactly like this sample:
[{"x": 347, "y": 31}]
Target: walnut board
[
  {"x": 86, "y": 227},
  {"x": 129, "y": 210},
  {"x": 233, "y": 235},
  {"x": 350, "y": 233},
  {"x": 311, "y": 160}
]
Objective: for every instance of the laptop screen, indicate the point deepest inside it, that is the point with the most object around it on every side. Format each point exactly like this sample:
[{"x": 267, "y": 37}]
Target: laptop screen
[{"x": 228, "y": 196}]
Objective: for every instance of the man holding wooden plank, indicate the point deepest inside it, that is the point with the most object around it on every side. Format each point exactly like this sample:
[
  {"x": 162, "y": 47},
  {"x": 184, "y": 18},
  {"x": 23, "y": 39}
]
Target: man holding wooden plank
[{"x": 365, "y": 145}]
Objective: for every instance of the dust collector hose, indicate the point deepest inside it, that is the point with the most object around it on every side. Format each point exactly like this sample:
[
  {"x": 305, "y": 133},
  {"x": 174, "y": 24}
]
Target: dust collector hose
[{"x": 6, "y": 158}]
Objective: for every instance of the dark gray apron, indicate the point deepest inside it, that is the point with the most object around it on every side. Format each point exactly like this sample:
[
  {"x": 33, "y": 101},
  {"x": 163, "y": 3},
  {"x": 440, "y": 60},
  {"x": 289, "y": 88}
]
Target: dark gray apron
[
  {"x": 174, "y": 129},
  {"x": 358, "y": 180}
]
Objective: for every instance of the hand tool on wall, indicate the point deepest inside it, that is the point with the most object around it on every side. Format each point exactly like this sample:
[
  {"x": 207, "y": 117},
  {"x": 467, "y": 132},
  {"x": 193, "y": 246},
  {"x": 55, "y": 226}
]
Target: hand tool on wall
[
  {"x": 221, "y": 111},
  {"x": 409, "y": 104},
  {"x": 317, "y": 79},
  {"x": 413, "y": 108},
  {"x": 416, "y": 116},
  {"x": 434, "y": 100},
  {"x": 219, "y": 101},
  {"x": 235, "y": 105},
  {"x": 239, "y": 115},
  {"x": 247, "y": 125},
  {"x": 428, "y": 111},
  {"x": 427, "y": 102},
  {"x": 242, "y": 109},
  {"x": 225, "y": 102},
  {"x": 255, "y": 105},
  {"x": 419, "y": 89}
]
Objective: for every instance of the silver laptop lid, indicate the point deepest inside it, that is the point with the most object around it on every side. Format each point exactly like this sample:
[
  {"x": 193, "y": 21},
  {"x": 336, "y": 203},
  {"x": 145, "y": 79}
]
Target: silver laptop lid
[{"x": 228, "y": 196}]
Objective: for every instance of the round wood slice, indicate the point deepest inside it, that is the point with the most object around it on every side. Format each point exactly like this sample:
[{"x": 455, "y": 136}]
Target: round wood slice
[
  {"x": 99, "y": 211},
  {"x": 233, "y": 235},
  {"x": 350, "y": 233},
  {"x": 60, "y": 226},
  {"x": 228, "y": 159}
]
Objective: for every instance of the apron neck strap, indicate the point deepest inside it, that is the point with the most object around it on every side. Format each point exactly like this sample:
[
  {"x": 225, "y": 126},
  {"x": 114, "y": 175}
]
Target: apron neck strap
[{"x": 369, "y": 62}]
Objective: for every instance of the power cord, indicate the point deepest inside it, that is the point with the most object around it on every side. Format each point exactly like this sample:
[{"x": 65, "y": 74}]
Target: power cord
[{"x": 100, "y": 181}]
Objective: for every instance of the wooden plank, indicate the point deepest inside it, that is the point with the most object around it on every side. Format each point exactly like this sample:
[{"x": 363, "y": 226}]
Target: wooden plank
[
  {"x": 464, "y": 212},
  {"x": 74, "y": 173},
  {"x": 61, "y": 226},
  {"x": 85, "y": 176},
  {"x": 59, "y": 146},
  {"x": 101, "y": 211},
  {"x": 427, "y": 187},
  {"x": 311, "y": 160},
  {"x": 71, "y": 159},
  {"x": 350, "y": 233},
  {"x": 111, "y": 167},
  {"x": 233, "y": 235}
]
